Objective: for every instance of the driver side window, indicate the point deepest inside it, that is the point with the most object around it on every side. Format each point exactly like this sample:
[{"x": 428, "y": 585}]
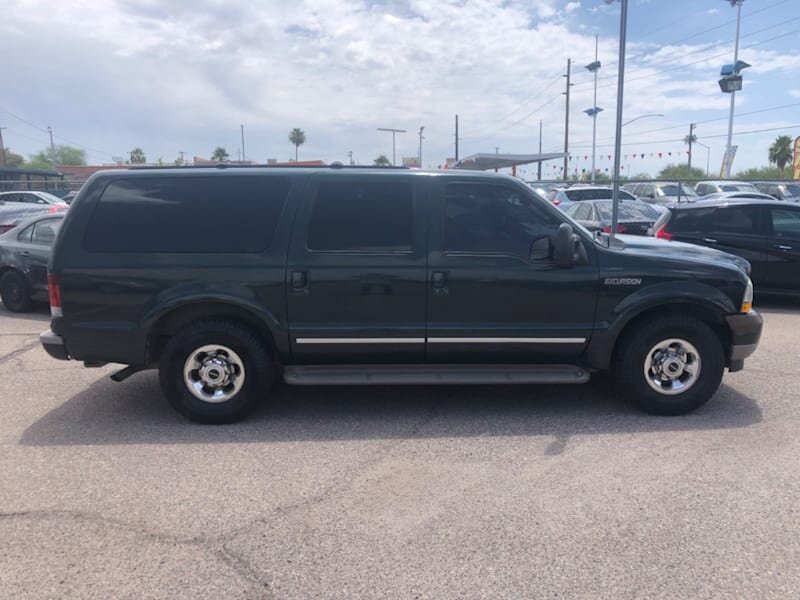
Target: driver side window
[{"x": 492, "y": 219}]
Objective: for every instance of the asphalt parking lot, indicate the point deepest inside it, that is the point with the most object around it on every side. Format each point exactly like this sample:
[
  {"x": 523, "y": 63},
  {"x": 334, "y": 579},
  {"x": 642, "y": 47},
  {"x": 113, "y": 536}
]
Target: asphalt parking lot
[{"x": 455, "y": 492}]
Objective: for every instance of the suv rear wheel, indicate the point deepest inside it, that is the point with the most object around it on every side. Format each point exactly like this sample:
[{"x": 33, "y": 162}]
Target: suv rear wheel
[
  {"x": 669, "y": 365},
  {"x": 215, "y": 371}
]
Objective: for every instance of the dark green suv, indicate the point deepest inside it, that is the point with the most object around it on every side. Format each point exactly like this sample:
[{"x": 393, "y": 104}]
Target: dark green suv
[{"x": 227, "y": 278}]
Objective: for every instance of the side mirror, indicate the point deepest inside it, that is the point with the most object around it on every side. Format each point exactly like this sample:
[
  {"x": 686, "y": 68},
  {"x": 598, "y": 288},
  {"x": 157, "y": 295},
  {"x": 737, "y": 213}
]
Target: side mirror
[
  {"x": 563, "y": 251},
  {"x": 540, "y": 249}
]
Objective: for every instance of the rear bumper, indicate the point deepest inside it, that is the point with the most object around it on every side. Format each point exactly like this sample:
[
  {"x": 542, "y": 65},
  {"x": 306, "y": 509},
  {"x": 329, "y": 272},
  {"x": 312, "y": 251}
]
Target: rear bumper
[
  {"x": 54, "y": 345},
  {"x": 745, "y": 334}
]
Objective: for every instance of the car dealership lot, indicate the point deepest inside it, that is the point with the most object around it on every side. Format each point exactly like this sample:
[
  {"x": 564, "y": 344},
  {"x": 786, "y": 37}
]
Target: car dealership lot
[{"x": 397, "y": 492}]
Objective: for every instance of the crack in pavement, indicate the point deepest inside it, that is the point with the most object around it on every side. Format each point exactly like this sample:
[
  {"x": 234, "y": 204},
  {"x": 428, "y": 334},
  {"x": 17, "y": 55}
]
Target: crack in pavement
[
  {"x": 18, "y": 352},
  {"x": 214, "y": 546}
]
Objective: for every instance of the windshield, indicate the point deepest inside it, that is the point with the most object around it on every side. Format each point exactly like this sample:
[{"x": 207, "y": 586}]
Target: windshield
[
  {"x": 576, "y": 195},
  {"x": 627, "y": 212},
  {"x": 671, "y": 189},
  {"x": 793, "y": 189},
  {"x": 737, "y": 187}
]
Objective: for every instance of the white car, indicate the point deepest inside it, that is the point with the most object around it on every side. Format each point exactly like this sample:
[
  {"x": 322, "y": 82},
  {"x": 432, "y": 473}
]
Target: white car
[{"x": 30, "y": 197}]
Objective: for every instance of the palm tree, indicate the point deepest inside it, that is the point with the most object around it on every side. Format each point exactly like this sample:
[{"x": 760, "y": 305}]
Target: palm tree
[
  {"x": 382, "y": 161},
  {"x": 220, "y": 154},
  {"x": 137, "y": 156},
  {"x": 780, "y": 153},
  {"x": 298, "y": 137}
]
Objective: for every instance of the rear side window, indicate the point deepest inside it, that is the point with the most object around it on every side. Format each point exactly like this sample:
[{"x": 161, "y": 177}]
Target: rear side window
[
  {"x": 735, "y": 219},
  {"x": 683, "y": 221},
  {"x": 368, "y": 216},
  {"x": 786, "y": 222},
  {"x": 187, "y": 214}
]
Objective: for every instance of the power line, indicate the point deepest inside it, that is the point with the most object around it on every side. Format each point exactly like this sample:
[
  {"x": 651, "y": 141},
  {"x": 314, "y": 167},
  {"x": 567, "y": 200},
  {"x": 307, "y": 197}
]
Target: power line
[{"x": 705, "y": 137}]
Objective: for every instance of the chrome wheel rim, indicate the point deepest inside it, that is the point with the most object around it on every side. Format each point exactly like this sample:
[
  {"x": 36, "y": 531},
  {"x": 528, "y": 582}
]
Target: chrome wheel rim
[
  {"x": 672, "y": 366},
  {"x": 214, "y": 373}
]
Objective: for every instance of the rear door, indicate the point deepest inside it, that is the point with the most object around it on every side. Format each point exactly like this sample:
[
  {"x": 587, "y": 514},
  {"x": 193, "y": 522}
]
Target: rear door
[
  {"x": 739, "y": 229},
  {"x": 356, "y": 269},
  {"x": 783, "y": 248}
]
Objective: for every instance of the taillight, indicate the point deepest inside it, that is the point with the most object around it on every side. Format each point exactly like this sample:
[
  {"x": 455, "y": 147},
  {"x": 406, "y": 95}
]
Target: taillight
[
  {"x": 607, "y": 229},
  {"x": 54, "y": 208},
  {"x": 55, "y": 295},
  {"x": 4, "y": 228},
  {"x": 663, "y": 233},
  {"x": 556, "y": 202},
  {"x": 620, "y": 228}
]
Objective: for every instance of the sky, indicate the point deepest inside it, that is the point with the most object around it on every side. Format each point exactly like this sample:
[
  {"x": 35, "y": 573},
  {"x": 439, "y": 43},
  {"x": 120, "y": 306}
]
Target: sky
[{"x": 183, "y": 76}]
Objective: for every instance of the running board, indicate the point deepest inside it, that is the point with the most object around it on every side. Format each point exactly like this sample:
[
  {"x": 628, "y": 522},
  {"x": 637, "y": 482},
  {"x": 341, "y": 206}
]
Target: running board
[{"x": 432, "y": 374}]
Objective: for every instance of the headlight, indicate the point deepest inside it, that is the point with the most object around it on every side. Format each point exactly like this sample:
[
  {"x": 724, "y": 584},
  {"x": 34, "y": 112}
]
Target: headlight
[{"x": 747, "y": 300}]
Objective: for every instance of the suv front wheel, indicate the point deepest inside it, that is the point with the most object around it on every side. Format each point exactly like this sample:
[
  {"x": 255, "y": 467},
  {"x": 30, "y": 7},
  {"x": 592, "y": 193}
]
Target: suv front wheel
[
  {"x": 669, "y": 365},
  {"x": 215, "y": 371}
]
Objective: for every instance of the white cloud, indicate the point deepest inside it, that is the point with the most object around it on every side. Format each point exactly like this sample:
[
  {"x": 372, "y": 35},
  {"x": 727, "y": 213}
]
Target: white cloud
[
  {"x": 572, "y": 7},
  {"x": 794, "y": 93},
  {"x": 712, "y": 11}
]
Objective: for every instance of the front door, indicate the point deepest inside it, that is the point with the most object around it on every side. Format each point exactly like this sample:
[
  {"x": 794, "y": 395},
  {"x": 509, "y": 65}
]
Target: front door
[
  {"x": 783, "y": 248},
  {"x": 356, "y": 270},
  {"x": 488, "y": 299}
]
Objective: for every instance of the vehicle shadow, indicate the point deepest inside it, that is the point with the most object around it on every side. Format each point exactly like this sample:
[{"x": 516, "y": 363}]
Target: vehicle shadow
[
  {"x": 40, "y": 312},
  {"x": 135, "y": 412},
  {"x": 783, "y": 305}
]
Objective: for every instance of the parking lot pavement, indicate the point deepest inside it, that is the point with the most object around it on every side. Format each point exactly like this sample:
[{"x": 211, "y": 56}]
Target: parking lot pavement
[{"x": 453, "y": 492}]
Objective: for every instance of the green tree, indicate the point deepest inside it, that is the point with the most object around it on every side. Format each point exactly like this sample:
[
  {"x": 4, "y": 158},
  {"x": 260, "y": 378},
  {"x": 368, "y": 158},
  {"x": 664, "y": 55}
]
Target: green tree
[
  {"x": 760, "y": 173},
  {"x": 57, "y": 155},
  {"x": 780, "y": 153},
  {"x": 220, "y": 154},
  {"x": 383, "y": 161},
  {"x": 13, "y": 159},
  {"x": 680, "y": 172},
  {"x": 298, "y": 137},
  {"x": 137, "y": 156}
]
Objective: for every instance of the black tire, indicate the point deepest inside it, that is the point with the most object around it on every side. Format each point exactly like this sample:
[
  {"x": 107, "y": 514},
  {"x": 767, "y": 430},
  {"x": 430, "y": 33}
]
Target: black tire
[
  {"x": 15, "y": 292},
  {"x": 630, "y": 361},
  {"x": 249, "y": 357}
]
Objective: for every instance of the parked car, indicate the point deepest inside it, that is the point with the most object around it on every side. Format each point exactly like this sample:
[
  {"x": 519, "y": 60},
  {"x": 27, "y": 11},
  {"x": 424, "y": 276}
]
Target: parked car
[
  {"x": 31, "y": 197},
  {"x": 225, "y": 279},
  {"x": 662, "y": 192},
  {"x": 24, "y": 253},
  {"x": 780, "y": 190},
  {"x": 13, "y": 213},
  {"x": 634, "y": 218},
  {"x": 766, "y": 233},
  {"x": 563, "y": 197},
  {"x": 703, "y": 188},
  {"x": 69, "y": 196}
]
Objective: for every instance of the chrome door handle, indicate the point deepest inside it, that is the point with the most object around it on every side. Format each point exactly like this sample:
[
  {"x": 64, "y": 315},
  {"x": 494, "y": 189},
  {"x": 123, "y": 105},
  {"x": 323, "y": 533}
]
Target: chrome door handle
[
  {"x": 782, "y": 247},
  {"x": 710, "y": 240}
]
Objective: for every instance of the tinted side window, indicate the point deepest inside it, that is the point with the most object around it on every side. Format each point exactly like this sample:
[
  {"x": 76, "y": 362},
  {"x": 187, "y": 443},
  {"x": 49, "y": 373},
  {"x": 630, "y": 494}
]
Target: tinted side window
[
  {"x": 735, "y": 219},
  {"x": 583, "y": 212},
  {"x": 492, "y": 218},
  {"x": 786, "y": 222},
  {"x": 368, "y": 216},
  {"x": 25, "y": 234},
  {"x": 685, "y": 221},
  {"x": 187, "y": 214}
]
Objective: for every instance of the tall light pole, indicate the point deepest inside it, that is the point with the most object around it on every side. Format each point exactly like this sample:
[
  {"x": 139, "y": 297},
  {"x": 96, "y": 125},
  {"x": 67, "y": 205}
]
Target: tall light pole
[
  {"x": 690, "y": 139},
  {"x": 421, "y": 129},
  {"x": 243, "y": 154},
  {"x": 592, "y": 112},
  {"x": 728, "y": 149},
  {"x": 394, "y": 133},
  {"x": 539, "y": 168},
  {"x": 623, "y": 31},
  {"x": 642, "y": 117},
  {"x": 708, "y": 155}
]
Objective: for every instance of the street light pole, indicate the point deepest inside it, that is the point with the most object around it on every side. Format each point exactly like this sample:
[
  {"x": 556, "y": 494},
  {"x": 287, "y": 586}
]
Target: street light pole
[
  {"x": 729, "y": 162},
  {"x": 243, "y": 154},
  {"x": 421, "y": 129},
  {"x": 642, "y": 117},
  {"x": 394, "y": 132},
  {"x": 592, "y": 112},
  {"x": 623, "y": 30},
  {"x": 708, "y": 156}
]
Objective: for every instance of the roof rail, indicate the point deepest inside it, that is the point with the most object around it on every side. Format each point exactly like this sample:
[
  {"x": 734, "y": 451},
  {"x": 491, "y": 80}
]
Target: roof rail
[{"x": 261, "y": 166}]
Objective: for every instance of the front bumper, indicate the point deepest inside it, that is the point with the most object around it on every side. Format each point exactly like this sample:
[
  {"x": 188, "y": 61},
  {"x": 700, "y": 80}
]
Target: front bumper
[
  {"x": 745, "y": 333},
  {"x": 54, "y": 345}
]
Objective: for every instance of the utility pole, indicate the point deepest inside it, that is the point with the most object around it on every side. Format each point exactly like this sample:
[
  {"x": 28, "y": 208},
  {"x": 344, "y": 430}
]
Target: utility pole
[
  {"x": 456, "y": 138},
  {"x": 2, "y": 147},
  {"x": 350, "y": 156},
  {"x": 690, "y": 140},
  {"x": 243, "y": 154},
  {"x": 52, "y": 146},
  {"x": 539, "y": 170},
  {"x": 394, "y": 133},
  {"x": 421, "y": 129},
  {"x": 181, "y": 153},
  {"x": 566, "y": 126}
]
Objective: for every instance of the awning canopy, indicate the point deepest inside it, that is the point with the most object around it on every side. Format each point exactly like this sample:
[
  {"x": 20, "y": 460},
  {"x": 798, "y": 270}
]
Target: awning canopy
[{"x": 487, "y": 161}]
